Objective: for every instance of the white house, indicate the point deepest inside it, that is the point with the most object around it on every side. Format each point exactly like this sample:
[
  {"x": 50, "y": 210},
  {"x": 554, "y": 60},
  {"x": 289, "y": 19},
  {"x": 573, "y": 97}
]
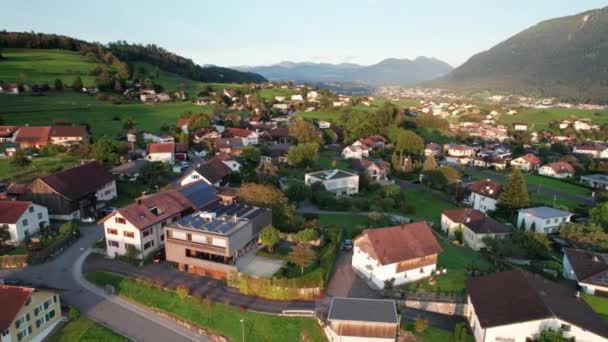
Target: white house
[
  {"x": 230, "y": 161},
  {"x": 474, "y": 225},
  {"x": 324, "y": 124},
  {"x": 362, "y": 320},
  {"x": 516, "y": 306},
  {"x": 544, "y": 220},
  {"x": 528, "y": 162},
  {"x": 297, "y": 98},
  {"x": 337, "y": 181},
  {"x": 22, "y": 218},
  {"x": 167, "y": 152},
  {"x": 248, "y": 137},
  {"x": 484, "y": 195},
  {"x": 594, "y": 151},
  {"x": 355, "y": 152},
  {"x": 589, "y": 269},
  {"x": 214, "y": 172},
  {"x": 558, "y": 169},
  {"x": 596, "y": 181},
  {"x": 400, "y": 254}
]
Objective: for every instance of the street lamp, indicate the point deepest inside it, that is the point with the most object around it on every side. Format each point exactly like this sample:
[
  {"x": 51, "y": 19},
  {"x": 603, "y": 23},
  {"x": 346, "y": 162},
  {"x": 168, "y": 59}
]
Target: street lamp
[{"x": 243, "y": 328}]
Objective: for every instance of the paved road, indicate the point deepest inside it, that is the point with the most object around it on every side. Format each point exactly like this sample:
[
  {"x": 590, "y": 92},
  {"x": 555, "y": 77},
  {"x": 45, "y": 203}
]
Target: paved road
[{"x": 64, "y": 273}]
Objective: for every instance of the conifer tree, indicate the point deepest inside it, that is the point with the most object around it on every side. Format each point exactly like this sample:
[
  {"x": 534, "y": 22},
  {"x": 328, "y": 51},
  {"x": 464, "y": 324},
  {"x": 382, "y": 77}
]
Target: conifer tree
[
  {"x": 515, "y": 193},
  {"x": 429, "y": 163}
]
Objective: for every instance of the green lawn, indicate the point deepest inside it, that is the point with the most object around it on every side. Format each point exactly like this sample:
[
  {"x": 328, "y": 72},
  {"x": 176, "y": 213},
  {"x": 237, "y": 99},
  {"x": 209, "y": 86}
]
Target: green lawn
[
  {"x": 325, "y": 161},
  {"x": 455, "y": 259},
  {"x": 331, "y": 116},
  {"x": 85, "y": 329},
  {"x": 348, "y": 222},
  {"x": 428, "y": 204},
  {"x": 269, "y": 94},
  {"x": 38, "y": 167},
  {"x": 78, "y": 108},
  {"x": 549, "y": 201},
  {"x": 222, "y": 318},
  {"x": 44, "y": 66},
  {"x": 127, "y": 192},
  {"x": 598, "y": 304},
  {"x": 540, "y": 118},
  {"x": 558, "y": 185}
]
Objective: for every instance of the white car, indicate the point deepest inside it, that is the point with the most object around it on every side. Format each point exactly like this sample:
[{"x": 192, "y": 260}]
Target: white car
[{"x": 87, "y": 220}]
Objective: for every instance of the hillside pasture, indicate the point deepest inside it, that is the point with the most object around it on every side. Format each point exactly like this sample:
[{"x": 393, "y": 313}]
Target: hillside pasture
[{"x": 540, "y": 118}]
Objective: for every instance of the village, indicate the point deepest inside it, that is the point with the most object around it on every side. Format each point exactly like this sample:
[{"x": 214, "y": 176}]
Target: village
[{"x": 380, "y": 226}]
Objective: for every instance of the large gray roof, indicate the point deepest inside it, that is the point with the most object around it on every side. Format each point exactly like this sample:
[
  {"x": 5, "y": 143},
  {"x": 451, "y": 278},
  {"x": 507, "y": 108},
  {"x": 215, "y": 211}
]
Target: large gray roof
[
  {"x": 545, "y": 212},
  {"x": 363, "y": 310}
]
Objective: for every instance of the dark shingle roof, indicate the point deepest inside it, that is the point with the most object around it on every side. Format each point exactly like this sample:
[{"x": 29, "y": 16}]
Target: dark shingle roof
[
  {"x": 363, "y": 310},
  {"x": 585, "y": 264},
  {"x": 214, "y": 170},
  {"x": 199, "y": 193},
  {"x": 78, "y": 181}
]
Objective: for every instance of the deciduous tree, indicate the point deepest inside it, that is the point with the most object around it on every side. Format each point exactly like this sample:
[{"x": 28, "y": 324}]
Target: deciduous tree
[
  {"x": 303, "y": 155},
  {"x": 301, "y": 255},
  {"x": 270, "y": 237}
]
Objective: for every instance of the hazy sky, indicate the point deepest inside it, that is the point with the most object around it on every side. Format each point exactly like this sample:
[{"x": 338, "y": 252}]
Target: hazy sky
[{"x": 255, "y": 32}]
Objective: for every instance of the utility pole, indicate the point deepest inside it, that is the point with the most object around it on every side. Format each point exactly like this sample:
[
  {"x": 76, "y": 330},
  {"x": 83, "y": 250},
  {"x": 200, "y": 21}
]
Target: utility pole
[{"x": 243, "y": 328}]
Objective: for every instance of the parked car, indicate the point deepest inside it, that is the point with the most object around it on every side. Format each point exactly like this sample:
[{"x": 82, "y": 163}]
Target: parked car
[
  {"x": 87, "y": 219},
  {"x": 160, "y": 256},
  {"x": 347, "y": 245}
]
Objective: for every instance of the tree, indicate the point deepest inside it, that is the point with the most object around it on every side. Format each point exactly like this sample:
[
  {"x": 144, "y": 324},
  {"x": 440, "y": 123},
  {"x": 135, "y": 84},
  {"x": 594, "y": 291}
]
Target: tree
[
  {"x": 74, "y": 313},
  {"x": 4, "y": 234},
  {"x": 551, "y": 335},
  {"x": 20, "y": 159},
  {"x": 515, "y": 194},
  {"x": 270, "y": 237},
  {"x": 420, "y": 325},
  {"x": 106, "y": 151},
  {"x": 153, "y": 173},
  {"x": 266, "y": 170},
  {"x": 303, "y": 155},
  {"x": 599, "y": 215},
  {"x": 182, "y": 292},
  {"x": 306, "y": 235},
  {"x": 304, "y": 132},
  {"x": 301, "y": 255},
  {"x": 297, "y": 191},
  {"x": 590, "y": 236},
  {"x": 68, "y": 228},
  {"x": 132, "y": 253},
  {"x": 77, "y": 84},
  {"x": 429, "y": 163},
  {"x": 251, "y": 154},
  {"x": 128, "y": 123},
  {"x": 58, "y": 85},
  {"x": 266, "y": 195}
]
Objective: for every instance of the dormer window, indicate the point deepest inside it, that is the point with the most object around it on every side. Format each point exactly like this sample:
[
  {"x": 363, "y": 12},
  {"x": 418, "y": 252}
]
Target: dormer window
[{"x": 156, "y": 211}]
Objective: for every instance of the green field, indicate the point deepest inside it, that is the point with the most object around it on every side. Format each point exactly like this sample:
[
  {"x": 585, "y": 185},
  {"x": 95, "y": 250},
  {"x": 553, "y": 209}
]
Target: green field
[
  {"x": 85, "y": 329},
  {"x": 598, "y": 304},
  {"x": 78, "y": 108},
  {"x": 331, "y": 116},
  {"x": 222, "y": 318},
  {"x": 348, "y": 222},
  {"x": 269, "y": 94},
  {"x": 428, "y": 204},
  {"x": 432, "y": 334},
  {"x": 44, "y": 66},
  {"x": 556, "y": 184},
  {"x": 326, "y": 158},
  {"x": 38, "y": 167},
  {"x": 540, "y": 118}
]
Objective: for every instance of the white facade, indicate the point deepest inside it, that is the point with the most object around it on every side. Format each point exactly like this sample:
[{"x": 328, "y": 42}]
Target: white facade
[
  {"x": 332, "y": 336},
  {"x": 541, "y": 225},
  {"x": 355, "y": 152},
  {"x": 549, "y": 171},
  {"x": 347, "y": 185},
  {"x": 378, "y": 273},
  {"x": 520, "y": 332},
  {"x": 107, "y": 192},
  {"x": 28, "y": 224},
  {"x": 324, "y": 124},
  {"x": 234, "y": 165},
  {"x": 522, "y": 164},
  {"x": 165, "y": 157},
  {"x": 120, "y": 233},
  {"x": 482, "y": 203},
  {"x": 194, "y": 176}
]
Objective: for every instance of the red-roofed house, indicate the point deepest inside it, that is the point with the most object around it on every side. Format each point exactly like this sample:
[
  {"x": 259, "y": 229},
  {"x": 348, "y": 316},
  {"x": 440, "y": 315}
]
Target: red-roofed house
[
  {"x": 22, "y": 218},
  {"x": 167, "y": 153},
  {"x": 526, "y": 162},
  {"x": 7, "y": 133},
  {"x": 182, "y": 123},
  {"x": 474, "y": 225},
  {"x": 484, "y": 195},
  {"x": 68, "y": 135},
  {"x": 405, "y": 253},
  {"x": 32, "y": 136},
  {"x": 248, "y": 137},
  {"x": 558, "y": 169},
  {"x": 28, "y": 314}
]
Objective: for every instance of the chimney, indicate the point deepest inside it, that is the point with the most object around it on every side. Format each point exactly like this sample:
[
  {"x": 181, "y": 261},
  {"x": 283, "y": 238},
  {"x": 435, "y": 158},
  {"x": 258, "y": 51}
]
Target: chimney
[
  {"x": 595, "y": 258},
  {"x": 139, "y": 200}
]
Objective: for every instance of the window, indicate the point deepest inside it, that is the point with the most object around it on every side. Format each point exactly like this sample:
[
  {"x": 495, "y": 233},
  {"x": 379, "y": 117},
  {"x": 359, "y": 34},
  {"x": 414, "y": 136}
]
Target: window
[
  {"x": 565, "y": 327},
  {"x": 162, "y": 237},
  {"x": 49, "y": 316},
  {"x": 47, "y": 303},
  {"x": 31, "y": 209},
  {"x": 145, "y": 233},
  {"x": 112, "y": 231},
  {"x": 120, "y": 220},
  {"x": 174, "y": 219},
  {"x": 129, "y": 234},
  {"x": 22, "y": 320},
  {"x": 149, "y": 244},
  {"x": 28, "y": 301},
  {"x": 22, "y": 334},
  {"x": 24, "y": 222},
  {"x": 112, "y": 243},
  {"x": 40, "y": 216},
  {"x": 547, "y": 221}
]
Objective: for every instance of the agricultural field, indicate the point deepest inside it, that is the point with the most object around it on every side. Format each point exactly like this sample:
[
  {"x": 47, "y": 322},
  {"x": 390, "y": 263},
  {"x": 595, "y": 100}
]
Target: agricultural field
[
  {"x": 44, "y": 66},
  {"x": 269, "y": 94},
  {"x": 38, "y": 167},
  {"x": 104, "y": 118},
  {"x": 540, "y": 118}
]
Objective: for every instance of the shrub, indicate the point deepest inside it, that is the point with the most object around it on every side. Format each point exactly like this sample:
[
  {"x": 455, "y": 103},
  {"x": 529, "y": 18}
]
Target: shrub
[
  {"x": 306, "y": 235},
  {"x": 74, "y": 312},
  {"x": 420, "y": 325},
  {"x": 182, "y": 292}
]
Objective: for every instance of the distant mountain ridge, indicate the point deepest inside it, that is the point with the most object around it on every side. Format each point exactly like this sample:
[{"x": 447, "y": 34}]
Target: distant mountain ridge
[
  {"x": 564, "y": 57},
  {"x": 391, "y": 71}
]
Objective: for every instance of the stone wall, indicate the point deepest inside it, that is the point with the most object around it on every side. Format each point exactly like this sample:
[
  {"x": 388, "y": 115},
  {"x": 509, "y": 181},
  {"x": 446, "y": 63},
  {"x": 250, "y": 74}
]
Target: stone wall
[{"x": 446, "y": 308}]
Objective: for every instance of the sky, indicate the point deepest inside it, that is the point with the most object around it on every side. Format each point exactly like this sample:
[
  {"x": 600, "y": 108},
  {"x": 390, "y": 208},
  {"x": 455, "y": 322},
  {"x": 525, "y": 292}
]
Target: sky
[{"x": 263, "y": 32}]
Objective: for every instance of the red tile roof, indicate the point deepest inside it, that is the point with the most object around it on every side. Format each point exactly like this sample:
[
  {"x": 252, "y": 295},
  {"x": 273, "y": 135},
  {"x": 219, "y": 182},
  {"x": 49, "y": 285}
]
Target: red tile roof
[
  {"x": 33, "y": 134},
  {"x": 138, "y": 213},
  {"x": 167, "y": 148},
  {"x": 239, "y": 132},
  {"x": 531, "y": 159},
  {"x": 486, "y": 188},
  {"x": 461, "y": 215},
  {"x": 561, "y": 167},
  {"x": 68, "y": 131},
  {"x": 476, "y": 221},
  {"x": 398, "y": 243},
  {"x": 13, "y": 298},
  {"x": 183, "y": 122},
  {"x": 78, "y": 181},
  {"x": 11, "y": 211}
]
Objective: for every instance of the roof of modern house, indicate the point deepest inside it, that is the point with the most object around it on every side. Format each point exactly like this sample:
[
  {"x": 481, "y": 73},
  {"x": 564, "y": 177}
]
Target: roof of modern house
[
  {"x": 486, "y": 188},
  {"x": 11, "y": 211},
  {"x": 363, "y": 310},
  {"x": 597, "y": 177},
  {"x": 214, "y": 170},
  {"x": 219, "y": 218},
  {"x": 398, "y": 243},
  {"x": 78, "y": 181},
  {"x": 331, "y": 174},
  {"x": 68, "y": 131},
  {"x": 586, "y": 264},
  {"x": 545, "y": 212},
  {"x": 13, "y": 298},
  {"x": 527, "y": 297}
]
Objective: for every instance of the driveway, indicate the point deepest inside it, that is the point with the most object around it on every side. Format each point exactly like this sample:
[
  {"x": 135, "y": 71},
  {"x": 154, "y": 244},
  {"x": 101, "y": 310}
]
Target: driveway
[{"x": 345, "y": 283}]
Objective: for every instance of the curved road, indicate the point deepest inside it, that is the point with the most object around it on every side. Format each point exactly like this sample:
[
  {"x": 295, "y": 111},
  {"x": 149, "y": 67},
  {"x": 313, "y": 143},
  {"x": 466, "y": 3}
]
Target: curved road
[{"x": 65, "y": 272}]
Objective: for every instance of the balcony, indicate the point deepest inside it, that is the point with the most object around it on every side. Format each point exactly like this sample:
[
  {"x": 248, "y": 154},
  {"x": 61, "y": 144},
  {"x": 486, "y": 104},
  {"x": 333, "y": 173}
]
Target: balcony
[{"x": 198, "y": 246}]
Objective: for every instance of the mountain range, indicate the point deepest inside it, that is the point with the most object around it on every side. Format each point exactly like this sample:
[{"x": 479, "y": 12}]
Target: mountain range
[
  {"x": 564, "y": 57},
  {"x": 390, "y": 71}
]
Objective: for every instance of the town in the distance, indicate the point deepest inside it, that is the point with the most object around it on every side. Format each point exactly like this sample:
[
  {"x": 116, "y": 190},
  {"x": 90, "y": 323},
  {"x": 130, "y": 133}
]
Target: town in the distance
[{"x": 144, "y": 197}]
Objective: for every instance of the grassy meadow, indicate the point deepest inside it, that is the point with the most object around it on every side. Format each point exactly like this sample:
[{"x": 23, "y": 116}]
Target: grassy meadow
[
  {"x": 38, "y": 166},
  {"x": 85, "y": 329},
  {"x": 540, "y": 118}
]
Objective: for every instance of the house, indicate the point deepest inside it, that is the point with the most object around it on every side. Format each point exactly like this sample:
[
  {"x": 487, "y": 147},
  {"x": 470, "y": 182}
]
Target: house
[
  {"x": 361, "y": 320},
  {"x": 278, "y": 135},
  {"x": 214, "y": 172},
  {"x": 596, "y": 181},
  {"x": 520, "y": 126},
  {"x": 527, "y": 162},
  {"x": 22, "y": 219},
  {"x": 355, "y": 152},
  {"x": 229, "y": 145},
  {"x": 517, "y": 306},
  {"x": 230, "y": 161},
  {"x": 589, "y": 269},
  {"x": 73, "y": 193},
  {"x": 210, "y": 241},
  {"x": 558, "y": 169},
  {"x": 68, "y": 135},
  {"x": 28, "y": 313},
  {"x": 202, "y": 134},
  {"x": 375, "y": 169},
  {"x": 248, "y": 137},
  {"x": 432, "y": 149},
  {"x": 275, "y": 153},
  {"x": 312, "y": 96},
  {"x": 32, "y": 136},
  {"x": 596, "y": 151},
  {"x": 183, "y": 123},
  {"x": 10, "y": 88},
  {"x": 297, "y": 98},
  {"x": 129, "y": 170},
  {"x": 544, "y": 220},
  {"x": 476, "y": 226},
  {"x": 460, "y": 151},
  {"x": 337, "y": 181},
  {"x": 167, "y": 152},
  {"x": 161, "y": 139},
  {"x": 140, "y": 224},
  {"x": 324, "y": 124},
  {"x": 405, "y": 253},
  {"x": 7, "y": 134},
  {"x": 484, "y": 195}
]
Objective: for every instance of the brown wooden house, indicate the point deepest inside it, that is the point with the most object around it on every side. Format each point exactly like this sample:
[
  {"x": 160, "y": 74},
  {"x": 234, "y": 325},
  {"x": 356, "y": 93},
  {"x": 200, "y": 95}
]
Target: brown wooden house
[{"x": 360, "y": 320}]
